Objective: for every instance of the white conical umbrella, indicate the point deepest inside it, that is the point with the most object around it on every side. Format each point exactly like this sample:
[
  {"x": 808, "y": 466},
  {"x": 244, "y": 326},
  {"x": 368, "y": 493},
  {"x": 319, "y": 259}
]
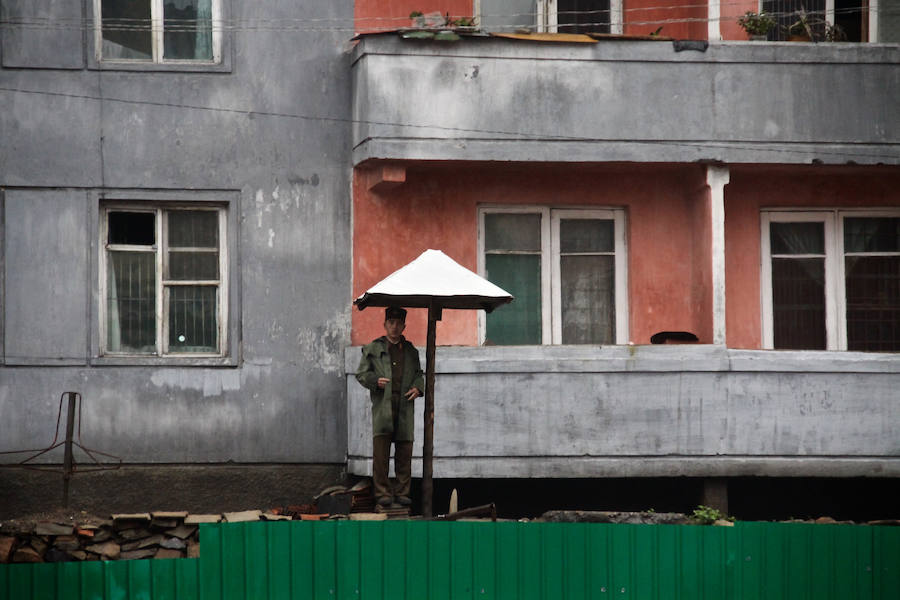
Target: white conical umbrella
[
  {"x": 433, "y": 278},
  {"x": 433, "y": 281}
]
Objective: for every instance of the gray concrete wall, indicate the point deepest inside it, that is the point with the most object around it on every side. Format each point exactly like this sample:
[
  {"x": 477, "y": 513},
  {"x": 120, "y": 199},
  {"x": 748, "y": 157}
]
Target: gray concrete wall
[
  {"x": 264, "y": 132},
  {"x": 651, "y": 411},
  {"x": 499, "y": 99}
]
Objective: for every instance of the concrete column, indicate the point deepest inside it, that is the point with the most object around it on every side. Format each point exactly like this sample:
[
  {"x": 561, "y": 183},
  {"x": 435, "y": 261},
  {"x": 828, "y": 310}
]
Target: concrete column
[
  {"x": 715, "y": 494},
  {"x": 716, "y": 178},
  {"x": 714, "y": 13}
]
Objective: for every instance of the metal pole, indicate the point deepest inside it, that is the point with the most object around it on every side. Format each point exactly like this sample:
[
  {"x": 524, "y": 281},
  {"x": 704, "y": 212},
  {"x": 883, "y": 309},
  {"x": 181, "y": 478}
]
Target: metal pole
[
  {"x": 434, "y": 315},
  {"x": 67, "y": 457}
]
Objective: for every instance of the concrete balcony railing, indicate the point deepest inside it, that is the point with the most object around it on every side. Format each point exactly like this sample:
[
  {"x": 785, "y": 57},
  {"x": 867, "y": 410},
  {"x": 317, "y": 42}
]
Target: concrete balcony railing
[
  {"x": 488, "y": 98},
  {"x": 706, "y": 411}
]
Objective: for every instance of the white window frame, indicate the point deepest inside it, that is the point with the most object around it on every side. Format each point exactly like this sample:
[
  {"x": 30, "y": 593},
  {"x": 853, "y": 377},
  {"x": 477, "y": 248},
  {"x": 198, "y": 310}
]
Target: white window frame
[
  {"x": 157, "y": 29},
  {"x": 548, "y": 16},
  {"x": 162, "y": 284},
  {"x": 551, "y": 291},
  {"x": 835, "y": 288}
]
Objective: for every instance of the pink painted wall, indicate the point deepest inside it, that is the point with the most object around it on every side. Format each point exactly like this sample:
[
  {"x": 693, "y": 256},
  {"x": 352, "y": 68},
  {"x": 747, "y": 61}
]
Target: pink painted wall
[
  {"x": 730, "y": 12},
  {"x": 373, "y": 16},
  {"x": 682, "y": 19},
  {"x": 668, "y": 229},
  {"x": 754, "y": 187},
  {"x": 700, "y": 286},
  {"x": 437, "y": 208}
]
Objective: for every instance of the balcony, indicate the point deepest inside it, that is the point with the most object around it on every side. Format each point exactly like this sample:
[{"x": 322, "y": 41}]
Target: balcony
[
  {"x": 651, "y": 411},
  {"x": 490, "y": 98}
]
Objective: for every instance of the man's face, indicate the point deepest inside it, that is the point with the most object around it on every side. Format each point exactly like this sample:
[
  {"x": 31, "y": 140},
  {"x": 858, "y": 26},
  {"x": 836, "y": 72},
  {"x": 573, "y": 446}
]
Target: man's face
[{"x": 394, "y": 328}]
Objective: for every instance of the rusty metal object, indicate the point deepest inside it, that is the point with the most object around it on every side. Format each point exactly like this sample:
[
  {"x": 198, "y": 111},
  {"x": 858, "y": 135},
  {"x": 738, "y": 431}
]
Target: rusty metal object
[
  {"x": 485, "y": 510},
  {"x": 69, "y": 463}
]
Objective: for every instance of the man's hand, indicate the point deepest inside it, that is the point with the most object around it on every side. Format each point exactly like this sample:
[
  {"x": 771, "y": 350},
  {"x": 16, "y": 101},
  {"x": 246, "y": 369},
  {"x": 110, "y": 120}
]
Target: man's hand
[
  {"x": 413, "y": 393},
  {"x": 382, "y": 381}
]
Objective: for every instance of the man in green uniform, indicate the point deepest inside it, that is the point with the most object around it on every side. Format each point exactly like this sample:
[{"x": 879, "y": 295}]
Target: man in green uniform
[{"x": 390, "y": 370}]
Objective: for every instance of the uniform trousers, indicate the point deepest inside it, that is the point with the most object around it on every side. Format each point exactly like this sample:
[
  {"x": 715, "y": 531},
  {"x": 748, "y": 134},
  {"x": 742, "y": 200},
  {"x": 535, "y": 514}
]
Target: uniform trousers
[{"x": 381, "y": 453}]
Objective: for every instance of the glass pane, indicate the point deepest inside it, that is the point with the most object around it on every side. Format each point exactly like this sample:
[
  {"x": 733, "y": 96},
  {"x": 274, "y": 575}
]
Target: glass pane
[
  {"x": 126, "y": 29},
  {"x": 132, "y": 228},
  {"x": 587, "y": 235},
  {"x": 520, "y": 321},
  {"x": 866, "y": 234},
  {"x": 193, "y": 229},
  {"x": 785, "y": 13},
  {"x": 193, "y": 266},
  {"x": 873, "y": 303},
  {"x": 131, "y": 302},
  {"x": 193, "y": 319},
  {"x": 507, "y": 231},
  {"x": 583, "y": 16},
  {"x": 187, "y": 31},
  {"x": 588, "y": 299},
  {"x": 798, "y": 302},
  {"x": 797, "y": 238}
]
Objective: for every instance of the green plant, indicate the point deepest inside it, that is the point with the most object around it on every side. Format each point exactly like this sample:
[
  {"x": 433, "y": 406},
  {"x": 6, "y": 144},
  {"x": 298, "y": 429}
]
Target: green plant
[
  {"x": 706, "y": 515},
  {"x": 756, "y": 23},
  {"x": 803, "y": 26},
  {"x": 460, "y": 21},
  {"x": 415, "y": 13},
  {"x": 815, "y": 29}
]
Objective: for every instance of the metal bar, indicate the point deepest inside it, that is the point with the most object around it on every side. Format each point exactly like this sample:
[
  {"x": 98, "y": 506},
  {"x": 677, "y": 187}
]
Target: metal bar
[
  {"x": 485, "y": 510},
  {"x": 67, "y": 460},
  {"x": 434, "y": 314}
]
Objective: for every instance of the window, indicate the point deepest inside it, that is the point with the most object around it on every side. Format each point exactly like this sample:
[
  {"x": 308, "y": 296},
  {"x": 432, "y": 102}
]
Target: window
[
  {"x": 566, "y": 269},
  {"x": 829, "y": 20},
  {"x": 158, "y": 31},
  {"x": 831, "y": 280},
  {"x": 562, "y": 16},
  {"x": 164, "y": 287}
]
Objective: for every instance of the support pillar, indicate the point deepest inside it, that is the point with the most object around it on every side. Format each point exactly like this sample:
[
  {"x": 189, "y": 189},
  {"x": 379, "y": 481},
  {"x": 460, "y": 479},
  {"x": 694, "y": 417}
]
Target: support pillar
[
  {"x": 716, "y": 178},
  {"x": 715, "y": 494}
]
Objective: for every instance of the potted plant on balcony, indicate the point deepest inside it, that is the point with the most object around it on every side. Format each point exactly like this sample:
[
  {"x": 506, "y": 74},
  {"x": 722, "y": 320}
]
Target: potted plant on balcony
[
  {"x": 801, "y": 30},
  {"x": 757, "y": 25},
  {"x": 813, "y": 28}
]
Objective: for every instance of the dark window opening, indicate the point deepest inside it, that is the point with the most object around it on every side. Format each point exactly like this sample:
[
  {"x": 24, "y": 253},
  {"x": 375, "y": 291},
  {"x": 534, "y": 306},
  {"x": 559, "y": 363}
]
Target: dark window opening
[
  {"x": 583, "y": 16},
  {"x": 132, "y": 228}
]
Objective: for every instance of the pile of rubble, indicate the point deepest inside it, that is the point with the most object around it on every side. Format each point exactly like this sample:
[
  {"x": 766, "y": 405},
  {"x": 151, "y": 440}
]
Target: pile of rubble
[
  {"x": 122, "y": 537},
  {"x": 168, "y": 534}
]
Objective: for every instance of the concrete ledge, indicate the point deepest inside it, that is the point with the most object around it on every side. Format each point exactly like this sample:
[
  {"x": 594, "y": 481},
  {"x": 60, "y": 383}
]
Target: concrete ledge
[
  {"x": 633, "y": 51},
  {"x": 644, "y": 359},
  {"x": 575, "y": 467}
]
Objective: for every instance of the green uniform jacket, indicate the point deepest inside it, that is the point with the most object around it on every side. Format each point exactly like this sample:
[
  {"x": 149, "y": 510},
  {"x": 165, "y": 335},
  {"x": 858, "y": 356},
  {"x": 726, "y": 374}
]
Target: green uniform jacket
[{"x": 375, "y": 363}]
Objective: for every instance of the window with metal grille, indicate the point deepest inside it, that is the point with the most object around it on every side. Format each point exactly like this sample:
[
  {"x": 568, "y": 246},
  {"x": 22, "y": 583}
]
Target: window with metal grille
[
  {"x": 831, "y": 280},
  {"x": 827, "y": 20},
  {"x": 164, "y": 280},
  {"x": 553, "y": 16}
]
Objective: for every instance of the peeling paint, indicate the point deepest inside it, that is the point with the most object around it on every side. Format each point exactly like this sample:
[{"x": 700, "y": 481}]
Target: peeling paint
[
  {"x": 210, "y": 382},
  {"x": 323, "y": 345}
]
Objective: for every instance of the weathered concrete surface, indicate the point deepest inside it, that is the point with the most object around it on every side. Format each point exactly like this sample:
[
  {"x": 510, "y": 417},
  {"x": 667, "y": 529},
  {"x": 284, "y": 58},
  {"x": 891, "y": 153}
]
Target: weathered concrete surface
[
  {"x": 196, "y": 488},
  {"x": 497, "y": 99},
  {"x": 264, "y": 133},
  {"x": 652, "y": 411}
]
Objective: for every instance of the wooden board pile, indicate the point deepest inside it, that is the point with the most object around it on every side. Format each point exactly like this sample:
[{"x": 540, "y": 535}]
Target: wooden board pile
[{"x": 122, "y": 537}]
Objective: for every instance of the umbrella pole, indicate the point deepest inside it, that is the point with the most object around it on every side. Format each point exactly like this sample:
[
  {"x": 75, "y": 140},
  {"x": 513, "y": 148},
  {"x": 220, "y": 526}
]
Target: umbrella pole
[{"x": 434, "y": 315}]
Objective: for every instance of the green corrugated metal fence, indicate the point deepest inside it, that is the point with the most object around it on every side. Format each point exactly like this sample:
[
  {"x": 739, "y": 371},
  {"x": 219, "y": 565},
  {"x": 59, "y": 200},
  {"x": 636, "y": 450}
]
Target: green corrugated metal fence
[{"x": 397, "y": 560}]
